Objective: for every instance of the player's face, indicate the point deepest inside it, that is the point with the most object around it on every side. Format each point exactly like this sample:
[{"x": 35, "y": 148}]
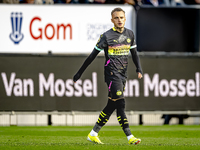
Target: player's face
[{"x": 118, "y": 19}]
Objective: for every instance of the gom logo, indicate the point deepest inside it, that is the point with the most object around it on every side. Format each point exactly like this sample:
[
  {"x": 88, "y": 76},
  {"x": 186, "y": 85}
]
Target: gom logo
[
  {"x": 51, "y": 27},
  {"x": 16, "y": 22}
]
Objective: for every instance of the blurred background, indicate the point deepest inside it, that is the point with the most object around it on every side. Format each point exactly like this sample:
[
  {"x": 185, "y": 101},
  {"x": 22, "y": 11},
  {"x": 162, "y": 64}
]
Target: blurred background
[{"x": 43, "y": 43}]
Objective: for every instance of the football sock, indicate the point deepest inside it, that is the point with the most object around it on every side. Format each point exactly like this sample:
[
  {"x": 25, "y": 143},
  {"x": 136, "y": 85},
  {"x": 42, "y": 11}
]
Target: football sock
[
  {"x": 96, "y": 129},
  {"x": 93, "y": 133},
  {"x": 127, "y": 131},
  {"x": 129, "y": 137},
  {"x": 103, "y": 118},
  {"x": 123, "y": 122}
]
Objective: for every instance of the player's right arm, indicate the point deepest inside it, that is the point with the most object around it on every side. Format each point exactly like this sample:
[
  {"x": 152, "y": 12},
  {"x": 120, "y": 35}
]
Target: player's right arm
[
  {"x": 87, "y": 62},
  {"x": 99, "y": 47}
]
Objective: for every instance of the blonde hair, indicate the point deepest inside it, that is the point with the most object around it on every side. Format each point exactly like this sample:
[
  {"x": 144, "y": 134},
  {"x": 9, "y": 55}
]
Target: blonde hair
[{"x": 117, "y": 9}]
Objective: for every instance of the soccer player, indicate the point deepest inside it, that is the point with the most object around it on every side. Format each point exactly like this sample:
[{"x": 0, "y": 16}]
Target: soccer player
[{"x": 116, "y": 43}]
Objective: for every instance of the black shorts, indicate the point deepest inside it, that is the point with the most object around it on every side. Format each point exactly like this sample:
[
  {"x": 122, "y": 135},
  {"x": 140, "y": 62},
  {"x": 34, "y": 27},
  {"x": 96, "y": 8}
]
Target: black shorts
[{"x": 115, "y": 88}]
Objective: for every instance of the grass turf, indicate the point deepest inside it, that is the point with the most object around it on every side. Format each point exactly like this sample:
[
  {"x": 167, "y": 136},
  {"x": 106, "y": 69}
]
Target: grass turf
[{"x": 173, "y": 137}]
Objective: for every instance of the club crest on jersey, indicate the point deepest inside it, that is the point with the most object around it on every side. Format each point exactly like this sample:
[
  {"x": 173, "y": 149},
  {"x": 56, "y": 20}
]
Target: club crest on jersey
[
  {"x": 128, "y": 40},
  {"x": 16, "y": 22}
]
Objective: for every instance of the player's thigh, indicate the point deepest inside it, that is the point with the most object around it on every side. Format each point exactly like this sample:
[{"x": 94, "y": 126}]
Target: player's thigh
[{"x": 116, "y": 89}]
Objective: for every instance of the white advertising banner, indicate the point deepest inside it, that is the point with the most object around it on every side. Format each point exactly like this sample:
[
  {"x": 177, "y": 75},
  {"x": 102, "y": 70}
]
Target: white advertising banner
[{"x": 61, "y": 29}]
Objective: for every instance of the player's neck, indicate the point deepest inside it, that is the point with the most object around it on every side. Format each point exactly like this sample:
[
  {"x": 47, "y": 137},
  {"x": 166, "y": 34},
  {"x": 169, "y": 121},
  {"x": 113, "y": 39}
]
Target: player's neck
[{"x": 120, "y": 30}]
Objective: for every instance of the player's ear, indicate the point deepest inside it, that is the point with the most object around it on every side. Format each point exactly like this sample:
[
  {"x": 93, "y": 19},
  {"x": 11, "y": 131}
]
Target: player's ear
[{"x": 112, "y": 20}]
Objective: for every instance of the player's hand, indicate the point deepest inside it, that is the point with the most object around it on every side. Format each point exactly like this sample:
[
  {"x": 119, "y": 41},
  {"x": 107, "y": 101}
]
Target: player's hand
[
  {"x": 76, "y": 77},
  {"x": 140, "y": 75}
]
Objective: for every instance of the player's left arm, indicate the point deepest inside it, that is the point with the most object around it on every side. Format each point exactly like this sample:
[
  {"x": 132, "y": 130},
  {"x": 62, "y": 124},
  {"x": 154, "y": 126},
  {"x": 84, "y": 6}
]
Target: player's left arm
[{"x": 136, "y": 61}]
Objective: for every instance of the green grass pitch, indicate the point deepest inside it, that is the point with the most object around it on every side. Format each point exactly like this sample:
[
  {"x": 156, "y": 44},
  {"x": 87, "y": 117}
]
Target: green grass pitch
[{"x": 165, "y": 137}]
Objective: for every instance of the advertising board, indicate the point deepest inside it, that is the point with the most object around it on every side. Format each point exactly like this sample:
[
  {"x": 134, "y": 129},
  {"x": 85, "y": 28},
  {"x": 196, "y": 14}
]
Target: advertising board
[
  {"x": 56, "y": 28},
  {"x": 45, "y": 84}
]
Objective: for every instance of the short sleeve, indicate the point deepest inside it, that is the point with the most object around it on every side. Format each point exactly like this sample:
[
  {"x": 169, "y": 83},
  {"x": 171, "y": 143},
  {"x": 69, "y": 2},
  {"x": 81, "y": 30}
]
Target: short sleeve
[{"x": 101, "y": 44}]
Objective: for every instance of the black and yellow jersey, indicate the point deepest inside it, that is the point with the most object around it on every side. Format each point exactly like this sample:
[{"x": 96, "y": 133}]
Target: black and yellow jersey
[{"x": 116, "y": 47}]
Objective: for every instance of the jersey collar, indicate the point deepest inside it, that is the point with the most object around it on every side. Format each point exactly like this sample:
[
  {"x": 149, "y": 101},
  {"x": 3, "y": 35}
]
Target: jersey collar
[{"x": 116, "y": 30}]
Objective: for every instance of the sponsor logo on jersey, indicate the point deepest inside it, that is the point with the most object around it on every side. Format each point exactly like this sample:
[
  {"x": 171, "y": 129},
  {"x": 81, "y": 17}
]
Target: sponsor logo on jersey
[
  {"x": 119, "y": 50},
  {"x": 115, "y": 41}
]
